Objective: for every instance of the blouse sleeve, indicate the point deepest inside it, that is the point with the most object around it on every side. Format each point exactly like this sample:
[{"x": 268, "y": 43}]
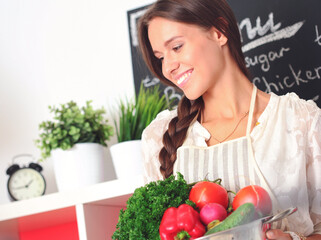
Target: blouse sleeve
[
  {"x": 152, "y": 144},
  {"x": 314, "y": 168}
]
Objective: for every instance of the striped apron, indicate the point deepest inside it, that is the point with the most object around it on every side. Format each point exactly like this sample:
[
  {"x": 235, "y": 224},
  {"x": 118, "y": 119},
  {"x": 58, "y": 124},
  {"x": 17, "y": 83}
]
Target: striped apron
[{"x": 233, "y": 161}]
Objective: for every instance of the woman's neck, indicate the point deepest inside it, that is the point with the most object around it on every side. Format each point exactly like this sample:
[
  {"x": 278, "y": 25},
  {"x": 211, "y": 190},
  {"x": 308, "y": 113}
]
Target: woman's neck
[{"x": 228, "y": 98}]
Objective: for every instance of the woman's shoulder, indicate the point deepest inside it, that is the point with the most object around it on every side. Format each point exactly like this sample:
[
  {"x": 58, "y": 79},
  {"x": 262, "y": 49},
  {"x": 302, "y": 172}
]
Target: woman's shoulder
[
  {"x": 291, "y": 110},
  {"x": 160, "y": 124},
  {"x": 292, "y": 103},
  {"x": 152, "y": 143}
]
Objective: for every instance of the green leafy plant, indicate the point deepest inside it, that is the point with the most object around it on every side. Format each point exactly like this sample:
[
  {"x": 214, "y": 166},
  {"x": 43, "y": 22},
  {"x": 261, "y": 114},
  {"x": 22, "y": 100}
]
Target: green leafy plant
[
  {"x": 135, "y": 116},
  {"x": 72, "y": 125},
  {"x": 144, "y": 209}
]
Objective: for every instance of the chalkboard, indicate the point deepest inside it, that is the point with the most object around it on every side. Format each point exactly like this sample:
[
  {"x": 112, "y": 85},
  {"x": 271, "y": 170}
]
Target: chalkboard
[{"x": 281, "y": 42}]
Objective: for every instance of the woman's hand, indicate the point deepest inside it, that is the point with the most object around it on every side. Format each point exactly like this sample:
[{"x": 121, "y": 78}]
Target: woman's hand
[
  {"x": 280, "y": 235},
  {"x": 277, "y": 234}
]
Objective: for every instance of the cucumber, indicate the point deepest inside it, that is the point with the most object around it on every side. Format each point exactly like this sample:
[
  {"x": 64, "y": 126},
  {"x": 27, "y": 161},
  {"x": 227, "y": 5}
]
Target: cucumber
[{"x": 242, "y": 215}]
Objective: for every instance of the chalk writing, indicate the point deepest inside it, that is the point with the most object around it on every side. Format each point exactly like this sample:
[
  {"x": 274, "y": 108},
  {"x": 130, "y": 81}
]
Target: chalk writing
[
  {"x": 265, "y": 59},
  {"x": 133, "y": 27},
  {"x": 284, "y": 33},
  {"x": 171, "y": 94},
  {"x": 318, "y": 37},
  {"x": 147, "y": 82},
  {"x": 296, "y": 78},
  {"x": 259, "y": 29},
  {"x": 316, "y": 98}
]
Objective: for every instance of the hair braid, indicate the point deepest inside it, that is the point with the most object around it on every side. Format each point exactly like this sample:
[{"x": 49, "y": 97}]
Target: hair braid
[{"x": 173, "y": 138}]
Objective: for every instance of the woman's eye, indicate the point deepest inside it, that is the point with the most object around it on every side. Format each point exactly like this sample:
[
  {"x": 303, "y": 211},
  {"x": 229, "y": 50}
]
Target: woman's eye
[
  {"x": 176, "y": 48},
  {"x": 159, "y": 58}
]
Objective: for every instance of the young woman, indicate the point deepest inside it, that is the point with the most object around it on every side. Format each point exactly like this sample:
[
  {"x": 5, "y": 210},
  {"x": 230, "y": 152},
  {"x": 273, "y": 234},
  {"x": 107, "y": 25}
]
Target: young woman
[{"x": 224, "y": 127}]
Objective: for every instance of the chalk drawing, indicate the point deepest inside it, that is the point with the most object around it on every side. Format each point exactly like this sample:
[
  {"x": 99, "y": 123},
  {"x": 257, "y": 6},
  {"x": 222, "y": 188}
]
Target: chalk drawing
[
  {"x": 284, "y": 33},
  {"x": 318, "y": 37},
  {"x": 133, "y": 26},
  {"x": 260, "y": 30},
  {"x": 147, "y": 82}
]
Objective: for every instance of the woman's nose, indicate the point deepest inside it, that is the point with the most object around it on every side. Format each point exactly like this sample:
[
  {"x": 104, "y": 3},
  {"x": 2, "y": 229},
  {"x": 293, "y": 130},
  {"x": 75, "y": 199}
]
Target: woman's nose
[{"x": 169, "y": 66}]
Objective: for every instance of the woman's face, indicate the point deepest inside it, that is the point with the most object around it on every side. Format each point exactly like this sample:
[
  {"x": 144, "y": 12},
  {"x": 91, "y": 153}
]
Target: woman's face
[{"x": 192, "y": 58}]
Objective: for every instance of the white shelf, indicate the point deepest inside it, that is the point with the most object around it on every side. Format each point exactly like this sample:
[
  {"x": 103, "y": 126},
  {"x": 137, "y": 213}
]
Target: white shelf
[{"x": 101, "y": 201}]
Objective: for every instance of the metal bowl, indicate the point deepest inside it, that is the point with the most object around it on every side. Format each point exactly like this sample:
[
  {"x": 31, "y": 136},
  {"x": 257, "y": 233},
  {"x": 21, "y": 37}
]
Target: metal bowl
[
  {"x": 251, "y": 231},
  {"x": 254, "y": 230}
]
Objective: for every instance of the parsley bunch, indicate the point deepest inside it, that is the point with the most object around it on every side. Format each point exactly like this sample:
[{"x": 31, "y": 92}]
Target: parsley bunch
[{"x": 146, "y": 206}]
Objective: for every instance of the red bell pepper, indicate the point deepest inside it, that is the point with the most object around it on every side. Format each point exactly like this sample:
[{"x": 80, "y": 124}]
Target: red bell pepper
[{"x": 181, "y": 223}]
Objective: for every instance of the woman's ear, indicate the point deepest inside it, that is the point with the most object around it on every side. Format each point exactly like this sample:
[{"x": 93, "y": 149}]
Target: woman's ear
[{"x": 218, "y": 36}]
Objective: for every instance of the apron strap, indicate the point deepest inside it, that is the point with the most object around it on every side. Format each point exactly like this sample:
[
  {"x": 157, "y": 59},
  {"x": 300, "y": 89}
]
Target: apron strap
[
  {"x": 276, "y": 205},
  {"x": 251, "y": 111}
]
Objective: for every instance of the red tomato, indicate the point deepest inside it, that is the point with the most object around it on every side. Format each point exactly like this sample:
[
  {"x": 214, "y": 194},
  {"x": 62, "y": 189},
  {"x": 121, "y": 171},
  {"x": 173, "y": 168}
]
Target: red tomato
[
  {"x": 208, "y": 192},
  {"x": 256, "y": 195}
]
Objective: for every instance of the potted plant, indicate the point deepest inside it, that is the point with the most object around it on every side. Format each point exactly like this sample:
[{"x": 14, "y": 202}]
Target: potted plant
[
  {"x": 133, "y": 117},
  {"x": 76, "y": 140}
]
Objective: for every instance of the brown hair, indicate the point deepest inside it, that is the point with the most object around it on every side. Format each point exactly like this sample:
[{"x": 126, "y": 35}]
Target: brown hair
[{"x": 203, "y": 13}]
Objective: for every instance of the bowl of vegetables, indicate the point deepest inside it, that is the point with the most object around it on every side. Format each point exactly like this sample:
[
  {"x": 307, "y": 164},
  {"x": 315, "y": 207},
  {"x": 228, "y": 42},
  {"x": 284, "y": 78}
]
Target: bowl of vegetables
[{"x": 172, "y": 209}]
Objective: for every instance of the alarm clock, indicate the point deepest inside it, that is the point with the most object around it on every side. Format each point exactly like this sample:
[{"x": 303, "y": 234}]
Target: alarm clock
[{"x": 25, "y": 182}]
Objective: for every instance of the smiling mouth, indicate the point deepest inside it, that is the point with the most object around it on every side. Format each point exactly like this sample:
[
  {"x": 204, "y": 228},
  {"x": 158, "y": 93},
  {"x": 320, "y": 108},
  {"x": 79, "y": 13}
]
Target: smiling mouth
[{"x": 184, "y": 78}]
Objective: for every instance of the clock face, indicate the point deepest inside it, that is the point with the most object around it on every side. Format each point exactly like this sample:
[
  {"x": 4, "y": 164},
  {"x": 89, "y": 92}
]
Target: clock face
[{"x": 26, "y": 183}]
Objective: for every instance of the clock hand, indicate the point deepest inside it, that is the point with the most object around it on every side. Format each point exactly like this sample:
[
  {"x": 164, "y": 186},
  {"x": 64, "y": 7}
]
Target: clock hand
[
  {"x": 29, "y": 183},
  {"x": 24, "y": 186},
  {"x": 21, "y": 187}
]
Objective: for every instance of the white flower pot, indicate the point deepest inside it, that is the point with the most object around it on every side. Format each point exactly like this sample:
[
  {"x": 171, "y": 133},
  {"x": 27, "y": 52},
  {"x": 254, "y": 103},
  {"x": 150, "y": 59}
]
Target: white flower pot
[
  {"x": 80, "y": 166},
  {"x": 127, "y": 158}
]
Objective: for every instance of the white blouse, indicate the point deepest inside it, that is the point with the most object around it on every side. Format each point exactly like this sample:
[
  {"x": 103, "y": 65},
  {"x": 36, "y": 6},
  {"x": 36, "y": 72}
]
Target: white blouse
[{"x": 287, "y": 148}]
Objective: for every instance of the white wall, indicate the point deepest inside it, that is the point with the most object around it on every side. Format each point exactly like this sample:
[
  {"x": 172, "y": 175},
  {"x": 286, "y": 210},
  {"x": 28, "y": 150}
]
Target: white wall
[{"x": 52, "y": 52}]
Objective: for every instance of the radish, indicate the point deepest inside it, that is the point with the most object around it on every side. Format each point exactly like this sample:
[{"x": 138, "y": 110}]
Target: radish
[{"x": 211, "y": 212}]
